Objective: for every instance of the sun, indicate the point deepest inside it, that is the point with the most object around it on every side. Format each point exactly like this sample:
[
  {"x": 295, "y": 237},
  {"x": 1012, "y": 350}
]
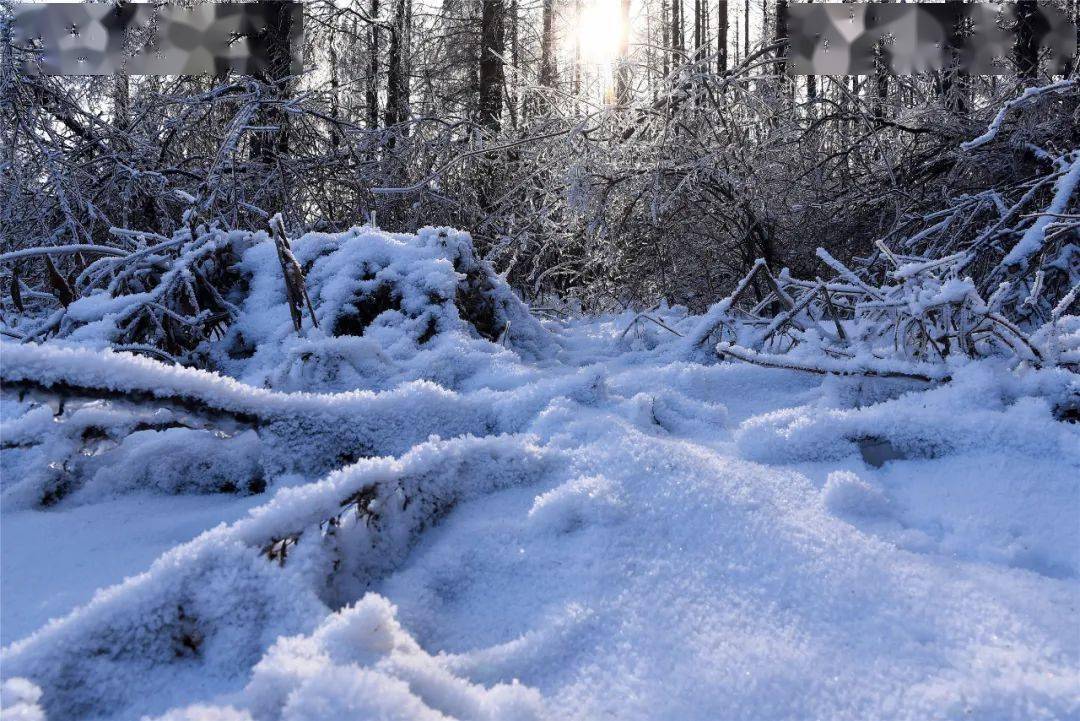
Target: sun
[{"x": 599, "y": 28}]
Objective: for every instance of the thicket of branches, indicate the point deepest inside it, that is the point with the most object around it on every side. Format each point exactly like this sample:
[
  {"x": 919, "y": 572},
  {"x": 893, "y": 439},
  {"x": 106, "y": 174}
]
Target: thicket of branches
[{"x": 662, "y": 178}]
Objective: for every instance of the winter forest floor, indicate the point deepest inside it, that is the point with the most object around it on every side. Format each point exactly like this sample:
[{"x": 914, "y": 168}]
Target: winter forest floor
[{"x": 694, "y": 542}]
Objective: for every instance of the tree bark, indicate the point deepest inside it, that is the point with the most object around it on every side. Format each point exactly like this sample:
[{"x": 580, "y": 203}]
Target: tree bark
[
  {"x": 622, "y": 71},
  {"x": 1026, "y": 47},
  {"x": 372, "y": 91},
  {"x": 676, "y": 32},
  {"x": 548, "y": 69},
  {"x": 492, "y": 76},
  {"x": 397, "y": 80},
  {"x": 721, "y": 37},
  {"x": 781, "y": 35},
  {"x": 746, "y": 28}
]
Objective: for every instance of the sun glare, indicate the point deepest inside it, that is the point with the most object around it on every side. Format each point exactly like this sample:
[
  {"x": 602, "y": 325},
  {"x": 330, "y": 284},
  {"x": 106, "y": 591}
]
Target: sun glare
[{"x": 598, "y": 31}]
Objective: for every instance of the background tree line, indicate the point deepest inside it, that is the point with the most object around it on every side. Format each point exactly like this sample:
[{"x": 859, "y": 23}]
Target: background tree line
[{"x": 658, "y": 173}]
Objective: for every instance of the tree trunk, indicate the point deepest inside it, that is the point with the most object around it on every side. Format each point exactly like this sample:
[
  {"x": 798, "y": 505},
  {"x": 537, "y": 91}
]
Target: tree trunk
[
  {"x": 881, "y": 82},
  {"x": 576, "y": 88},
  {"x": 397, "y": 78},
  {"x": 721, "y": 37},
  {"x": 811, "y": 86},
  {"x": 665, "y": 36},
  {"x": 698, "y": 29},
  {"x": 335, "y": 86},
  {"x": 548, "y": 68},
  {"x": 492, "y": 46},
  {"x": 956, "y": 80},
  {"x": 746, "y": 28},
  {"x": 512, "y": 99},
  {"x": 1026, "y": 48},
  {"x": 622, "y": 72},
  {"x": 121, "y": 97},
  {"x": 676, "y": 33},
  {"x": 372, "y": 99},
  {"x": 781, "y": 36},
  {"x": 266, "y": 144},
  {"x": 270, "y": 146}
]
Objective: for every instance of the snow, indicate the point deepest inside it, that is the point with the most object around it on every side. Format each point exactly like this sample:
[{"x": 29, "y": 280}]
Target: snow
[
  {"x": 19, "y": 701},
  {"x": 562, "y": 521},
  {"x": 66, "y": 554},
  {"x": 1035, "y": 236},
  {"x": 982, "y": 409},
  {"x": 360, "y": 663},
  {"x": 846, "y": 494},
  {"x": 1024, "y": 98}
]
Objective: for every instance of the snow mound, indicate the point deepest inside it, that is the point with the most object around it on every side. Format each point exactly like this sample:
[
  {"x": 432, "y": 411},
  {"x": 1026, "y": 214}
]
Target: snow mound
[
  {"x": 305, "y": 433},
  {"x": 982, "y": 407},
  {"x": 96, "y": 452},
  {"x": 676, "y": 413},
  {"x": 210, "y": 608},
  {"x": 359, "y": 663},
  {"x": 206, "y": 608},
  {"x": 200, "y": 712},
  {"x": 222, "y": 304},
  {"x": 582, "y": 501},
  {"x": 387, "y": 306},
  {"x": 846, "y": 494}
]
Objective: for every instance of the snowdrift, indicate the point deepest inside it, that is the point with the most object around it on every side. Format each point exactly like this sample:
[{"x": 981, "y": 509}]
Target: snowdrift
[
  {"x": 983, "y": 407},
  {"x": 474, "y": 515},
  {"x": 274, "y": 433},
  {"x": 211, "y": 607},
  {"x": 609, "y": 538}
]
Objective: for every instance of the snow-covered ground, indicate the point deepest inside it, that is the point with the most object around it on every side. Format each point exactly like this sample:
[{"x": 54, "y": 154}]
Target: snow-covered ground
[{"x": 590, "y": 527}]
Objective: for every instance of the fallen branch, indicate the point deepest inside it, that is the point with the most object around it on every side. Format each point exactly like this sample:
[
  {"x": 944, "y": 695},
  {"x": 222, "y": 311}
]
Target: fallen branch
[
  {"x": 645, "y": 316},
  {"x": 930, "y": 373},
  {"x": 62, "y": 250}
]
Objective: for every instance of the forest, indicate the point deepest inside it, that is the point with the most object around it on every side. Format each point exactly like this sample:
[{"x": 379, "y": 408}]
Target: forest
[{"x": 542, "y": 359}]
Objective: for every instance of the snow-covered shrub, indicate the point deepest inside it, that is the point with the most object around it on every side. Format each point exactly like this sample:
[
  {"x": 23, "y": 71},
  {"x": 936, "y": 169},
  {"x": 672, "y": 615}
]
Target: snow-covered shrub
[
  {"x": 358, "y": 522},
  {"x": 387, "y": 306},
  {"x": 168, "y": 299},
  {"x": 908, "y": 328},
  {"x": 996, "y": 273},
  {"x": 221, "y": 300}
]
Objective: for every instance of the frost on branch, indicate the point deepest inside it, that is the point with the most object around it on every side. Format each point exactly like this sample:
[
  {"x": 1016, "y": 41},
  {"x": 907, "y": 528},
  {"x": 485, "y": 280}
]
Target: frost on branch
[{"x": 995, "y": 274}]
